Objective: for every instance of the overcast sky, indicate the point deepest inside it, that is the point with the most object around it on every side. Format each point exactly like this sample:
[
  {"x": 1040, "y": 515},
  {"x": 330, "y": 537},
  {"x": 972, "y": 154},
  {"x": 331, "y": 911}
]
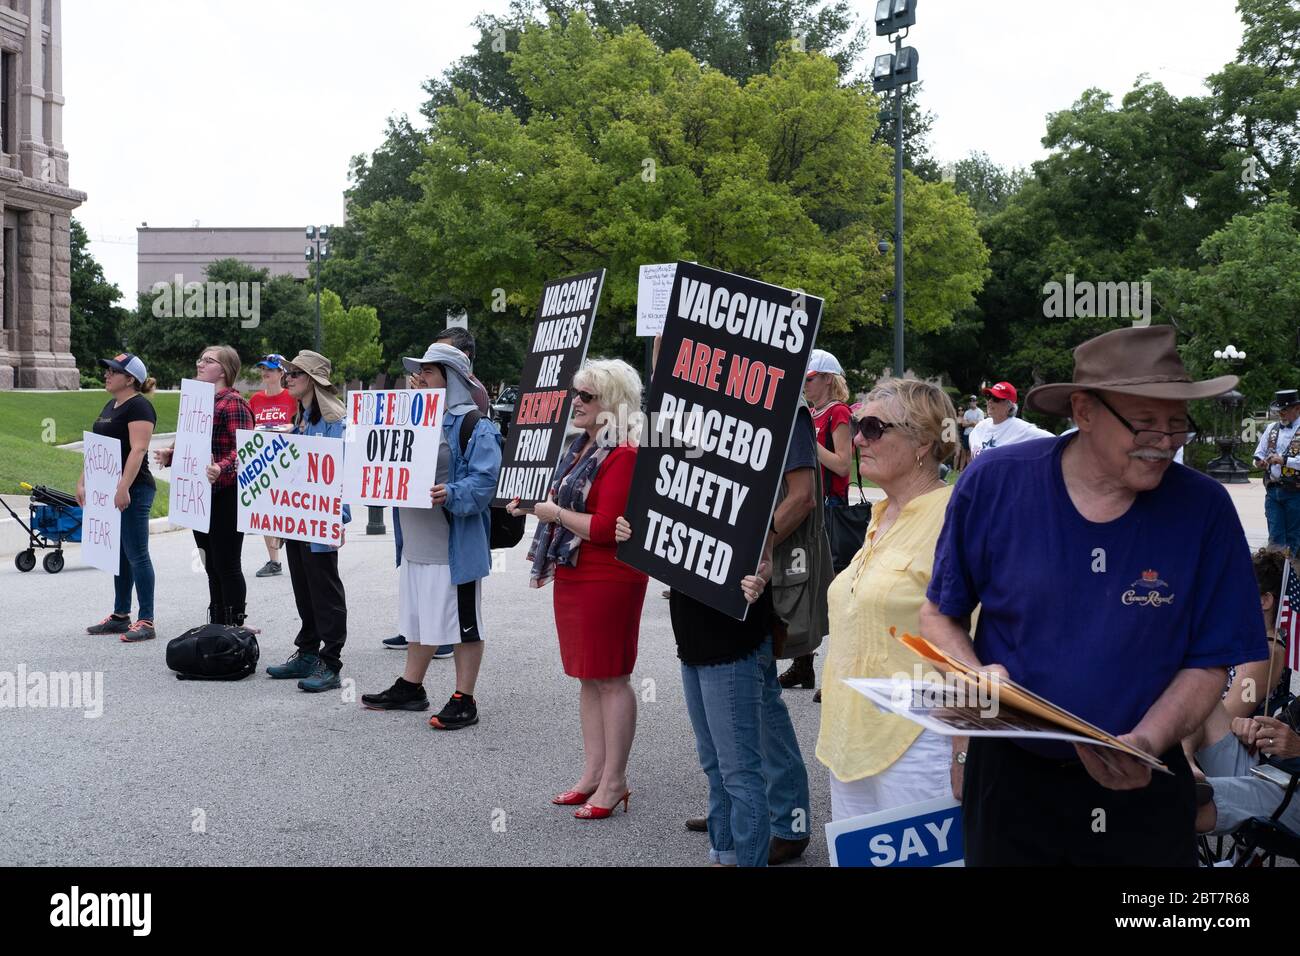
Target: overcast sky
[{"x": 246, "y": 112}]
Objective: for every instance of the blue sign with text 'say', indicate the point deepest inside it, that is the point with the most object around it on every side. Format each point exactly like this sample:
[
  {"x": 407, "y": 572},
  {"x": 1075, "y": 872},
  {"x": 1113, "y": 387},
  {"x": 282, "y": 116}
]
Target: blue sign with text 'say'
[{"x": 923, "y": 834}]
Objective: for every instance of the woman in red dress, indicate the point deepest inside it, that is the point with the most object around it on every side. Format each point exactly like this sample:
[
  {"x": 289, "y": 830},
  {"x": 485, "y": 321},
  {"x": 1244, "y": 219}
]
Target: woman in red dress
[{"x": 597, "y": 598}]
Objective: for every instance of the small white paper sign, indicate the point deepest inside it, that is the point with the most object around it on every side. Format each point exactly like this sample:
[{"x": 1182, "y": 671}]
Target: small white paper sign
[
  {"x": 189, "y": 496},
  {"x": 653, "y": 287},
  {"x": 101, "y": 522}
]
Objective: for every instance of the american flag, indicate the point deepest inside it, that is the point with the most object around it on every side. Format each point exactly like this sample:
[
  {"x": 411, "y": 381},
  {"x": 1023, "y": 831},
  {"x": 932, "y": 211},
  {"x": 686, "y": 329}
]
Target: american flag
[{"x": 1288, "y": 616}]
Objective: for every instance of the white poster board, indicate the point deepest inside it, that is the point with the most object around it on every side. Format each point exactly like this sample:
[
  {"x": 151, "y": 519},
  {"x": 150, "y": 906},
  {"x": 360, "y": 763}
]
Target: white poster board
[
  {"x": 919, "y": 834},
  {"x": 290, "y": 486},
  {"x": 189, "y": 497},
  {"x": 392, "y": 440},
  {"x": 101, "y": 522},
  {"x": 654, "y": 285}
]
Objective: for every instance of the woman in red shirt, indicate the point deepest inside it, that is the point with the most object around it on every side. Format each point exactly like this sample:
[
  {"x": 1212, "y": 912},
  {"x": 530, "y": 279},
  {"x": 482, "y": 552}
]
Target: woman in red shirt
[
  {"x": 598, "y": 599},
  {"x": 273, "y": 410}
]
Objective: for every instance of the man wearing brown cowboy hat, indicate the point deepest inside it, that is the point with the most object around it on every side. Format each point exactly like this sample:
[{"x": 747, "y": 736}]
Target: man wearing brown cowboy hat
[
  {"x": 1114, "y": 583},
  {"x": 1278, "y": 452}
]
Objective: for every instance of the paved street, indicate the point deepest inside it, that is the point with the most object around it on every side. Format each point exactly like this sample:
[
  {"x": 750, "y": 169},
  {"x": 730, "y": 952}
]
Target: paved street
[{"x": 285, "y": 777}]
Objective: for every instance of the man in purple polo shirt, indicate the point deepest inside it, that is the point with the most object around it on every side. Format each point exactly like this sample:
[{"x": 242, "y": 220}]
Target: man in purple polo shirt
[{"x": 1111, "y": 581}]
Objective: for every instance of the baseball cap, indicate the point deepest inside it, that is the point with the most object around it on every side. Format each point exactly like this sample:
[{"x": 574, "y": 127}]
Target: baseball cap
[
  {"x": 819, "y": 360},
  {"x": 129, "y": 364},
  {"x": 274, "y": 361},
  {"x": 1002, "y": 390}
]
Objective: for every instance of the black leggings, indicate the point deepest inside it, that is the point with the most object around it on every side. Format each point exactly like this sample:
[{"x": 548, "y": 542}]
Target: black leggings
[{"x": 223, "y": 551}]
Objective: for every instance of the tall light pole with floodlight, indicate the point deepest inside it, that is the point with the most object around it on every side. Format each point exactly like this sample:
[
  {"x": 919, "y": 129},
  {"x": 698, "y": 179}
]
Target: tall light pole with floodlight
[
  {"x": 318, "y": 251},
  {"x": 894, "y": 71}
]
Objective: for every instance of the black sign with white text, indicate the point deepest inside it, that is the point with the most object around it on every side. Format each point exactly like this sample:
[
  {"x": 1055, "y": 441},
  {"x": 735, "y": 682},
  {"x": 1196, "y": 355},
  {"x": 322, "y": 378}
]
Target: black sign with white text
[
  {"x": 722, "y": 404},
  {"x": 558, "y": 348}
]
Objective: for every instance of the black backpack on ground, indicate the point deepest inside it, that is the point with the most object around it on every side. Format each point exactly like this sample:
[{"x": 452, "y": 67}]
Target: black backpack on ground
[
  {"x": 213, "y": 652},
  {"x": 506, "y": 531}
]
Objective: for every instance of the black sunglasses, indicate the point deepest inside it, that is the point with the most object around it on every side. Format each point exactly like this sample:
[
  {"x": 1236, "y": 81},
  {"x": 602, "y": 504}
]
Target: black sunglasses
[
  {"x": 587, "y": 397},
  {"x": 872, "y": 428}
]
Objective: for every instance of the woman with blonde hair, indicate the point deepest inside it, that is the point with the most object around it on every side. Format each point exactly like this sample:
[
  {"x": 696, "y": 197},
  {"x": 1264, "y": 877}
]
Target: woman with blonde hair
[
  {"x": 597, "y": 598},
  {"x": 877, "y": 760},
  {"x": 222, "y": 545}
]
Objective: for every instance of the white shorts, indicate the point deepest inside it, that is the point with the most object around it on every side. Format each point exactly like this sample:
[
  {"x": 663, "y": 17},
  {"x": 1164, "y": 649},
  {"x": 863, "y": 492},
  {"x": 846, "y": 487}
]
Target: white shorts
[
  {"x": 922, "y": 773},
  {"x": 432, "y": 610}
]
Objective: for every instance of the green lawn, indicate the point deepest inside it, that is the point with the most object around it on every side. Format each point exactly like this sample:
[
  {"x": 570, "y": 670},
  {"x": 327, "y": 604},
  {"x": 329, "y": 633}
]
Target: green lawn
[{"x": 33, "y": 423}]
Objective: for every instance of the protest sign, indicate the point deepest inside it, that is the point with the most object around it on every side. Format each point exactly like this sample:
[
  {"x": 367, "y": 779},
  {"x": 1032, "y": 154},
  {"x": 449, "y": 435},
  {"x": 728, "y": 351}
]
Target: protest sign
[
  {"x": 722, "y": 406},
  {"x": 290, "y": 486},
  {"x": 392, "y": 446},
  {"x": 101, "y": 522},
  {"x": 654, "y": 285},
  {"x": 919, "y": 834},
  {"x": 189, "y": 496},
  {"x": 559, "y": 346}
]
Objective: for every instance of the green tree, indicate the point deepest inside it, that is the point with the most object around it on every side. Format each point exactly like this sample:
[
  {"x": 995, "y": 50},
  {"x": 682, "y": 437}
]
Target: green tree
[
  {"x": 94, "y": 312},
  {"x": 1246, "y": 292},
  {"x": 350, "y": 338},
  {"x": 283, "y": 321},
  {"x": 632, "y": 155}
]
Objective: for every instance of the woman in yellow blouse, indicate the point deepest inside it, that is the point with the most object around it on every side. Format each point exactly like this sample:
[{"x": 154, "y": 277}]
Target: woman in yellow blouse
[{"x": 877, "y": 760}]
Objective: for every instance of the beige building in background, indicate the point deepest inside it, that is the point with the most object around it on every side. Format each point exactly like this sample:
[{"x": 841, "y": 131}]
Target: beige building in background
[
  {"x": 35, "y": 201},
  {"x": 163, "y": 254}
]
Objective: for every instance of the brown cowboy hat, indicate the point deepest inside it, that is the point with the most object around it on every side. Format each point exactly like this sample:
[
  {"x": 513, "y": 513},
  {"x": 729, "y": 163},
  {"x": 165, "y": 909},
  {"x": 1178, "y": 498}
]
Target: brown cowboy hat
[{"x": 1131, "y": 361}]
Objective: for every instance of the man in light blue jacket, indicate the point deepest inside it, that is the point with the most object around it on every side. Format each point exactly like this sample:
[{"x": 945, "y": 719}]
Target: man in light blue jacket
[{"x": 443, "y": 552}]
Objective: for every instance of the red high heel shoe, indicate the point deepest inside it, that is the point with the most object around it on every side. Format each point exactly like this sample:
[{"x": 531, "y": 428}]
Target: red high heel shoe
[
  {"x": 589, "y": 811},
  {"x": 572, "y": 798}
]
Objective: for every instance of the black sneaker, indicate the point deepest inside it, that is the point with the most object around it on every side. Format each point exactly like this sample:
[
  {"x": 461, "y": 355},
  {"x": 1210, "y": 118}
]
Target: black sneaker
[
  {"x": 403, "y": 695},
  {"x": 461, "y": 711},
  {"x": 141, "y": 630},
  {"x": 111, "y": 625},
  {"x": 397, "y": 642},
  {"x": 270, "y": 569}
]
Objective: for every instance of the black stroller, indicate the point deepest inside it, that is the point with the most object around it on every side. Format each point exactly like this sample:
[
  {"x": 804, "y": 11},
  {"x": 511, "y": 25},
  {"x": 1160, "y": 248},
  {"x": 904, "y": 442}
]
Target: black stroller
[{"x": 55, "y": 518}]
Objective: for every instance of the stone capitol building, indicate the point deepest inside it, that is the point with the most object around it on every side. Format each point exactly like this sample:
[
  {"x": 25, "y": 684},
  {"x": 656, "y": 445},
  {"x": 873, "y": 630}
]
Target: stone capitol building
[{"x": 35, "y": 200}]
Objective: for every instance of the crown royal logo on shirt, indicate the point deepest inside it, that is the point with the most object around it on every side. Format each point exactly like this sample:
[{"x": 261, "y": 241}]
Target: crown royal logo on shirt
[{"x": 1150, "y": 582}]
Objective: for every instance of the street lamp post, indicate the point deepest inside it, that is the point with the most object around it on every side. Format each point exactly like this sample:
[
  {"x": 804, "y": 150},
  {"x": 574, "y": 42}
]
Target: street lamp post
[
  {"x": 318, "y": 251},
  {"x": 894, "y": 71}
]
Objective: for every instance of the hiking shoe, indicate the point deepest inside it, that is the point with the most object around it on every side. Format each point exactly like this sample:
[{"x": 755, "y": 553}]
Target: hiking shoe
[
  {"x": 141, "y": 630},
  {"x": 444, "y": 652},
  {"x": 300, "y": 665},
  {"x": 461, "y": 711},
  {"x": 799, "y": 674},
  {"x": 403, "y": 695},
  {"x": 111, "y": 625},
  {"x": 397, "y": 643},
  {"x": 322, "y": 678},
  {"x": 270, "y": 569}
]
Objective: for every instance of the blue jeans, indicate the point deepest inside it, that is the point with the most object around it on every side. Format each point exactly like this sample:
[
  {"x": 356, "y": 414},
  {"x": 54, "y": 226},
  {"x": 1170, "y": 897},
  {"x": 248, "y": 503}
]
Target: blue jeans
[
  {"x": 136, "y": 568},
  {"x": 748, "y": 750},
  {"x": 787, "y": 777},
  {"x": 1282, "y": 509}
]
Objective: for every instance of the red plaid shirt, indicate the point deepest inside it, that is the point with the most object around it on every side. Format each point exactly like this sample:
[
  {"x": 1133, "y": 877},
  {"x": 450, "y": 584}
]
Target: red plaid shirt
[{"x": 230, "y": 413}]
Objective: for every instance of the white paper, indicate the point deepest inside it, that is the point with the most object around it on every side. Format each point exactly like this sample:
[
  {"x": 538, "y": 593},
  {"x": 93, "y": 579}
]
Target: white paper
[
  {"x": 392, "y": 458},
  {"x": 653, "y": 287},
  {"x": 290, "y": 486},
  {"x": 189, "y": 495},
  {"x": 101, "y": 522}
]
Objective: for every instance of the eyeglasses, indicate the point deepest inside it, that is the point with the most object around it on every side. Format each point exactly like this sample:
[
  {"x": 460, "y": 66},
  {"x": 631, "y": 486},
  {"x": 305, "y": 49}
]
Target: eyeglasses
[
  {"x": 207, "y": 360},
  {"x": 1147, "y": 437},
  {"x": 872, "y": 428},
  {"x": 294, "y": 374},
  {"x": 587, "y": 397}
]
